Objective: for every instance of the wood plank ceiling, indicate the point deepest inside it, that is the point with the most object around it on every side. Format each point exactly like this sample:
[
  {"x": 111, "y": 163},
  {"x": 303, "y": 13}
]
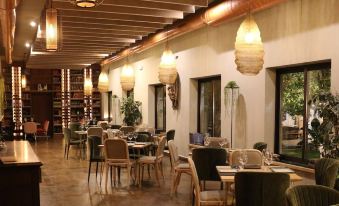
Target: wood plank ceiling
[{"x": 90, "y": 34}]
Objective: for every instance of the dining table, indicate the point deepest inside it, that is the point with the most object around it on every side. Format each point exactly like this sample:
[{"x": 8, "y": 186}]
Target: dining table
[{"x": 227, "y": 174}]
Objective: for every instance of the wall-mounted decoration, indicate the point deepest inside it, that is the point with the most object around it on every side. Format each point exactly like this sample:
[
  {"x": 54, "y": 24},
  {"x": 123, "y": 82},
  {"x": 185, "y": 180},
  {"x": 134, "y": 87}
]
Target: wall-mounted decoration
[
  {"x": 173, "y": 93},
  {"x": 231, "y": 91}
]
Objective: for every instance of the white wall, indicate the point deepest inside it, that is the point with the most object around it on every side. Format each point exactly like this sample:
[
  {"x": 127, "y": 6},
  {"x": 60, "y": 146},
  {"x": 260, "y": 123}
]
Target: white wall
[{"x": 292, "y": 33}]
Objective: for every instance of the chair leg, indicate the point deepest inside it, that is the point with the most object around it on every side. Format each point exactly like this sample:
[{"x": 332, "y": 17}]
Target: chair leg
[
  {"x": 157, "y": 172},
  {"x": 68, "y": 150},
  {"x": 128, "y": 175},
  {"x": 162, "y": 170},
  {"x": 111, "y": 176},
  {"x": 173, "y": 183},
  {"x": 142, "y": 172},
  {"x": 177, "y": 182},
  {"x": 65, "y": 150},
  {"x": 89, "y": 170},
  {"x": 149, "y": 171},
  {"x": 96, "y": 171},
  {"x": 106, "y": 167}
]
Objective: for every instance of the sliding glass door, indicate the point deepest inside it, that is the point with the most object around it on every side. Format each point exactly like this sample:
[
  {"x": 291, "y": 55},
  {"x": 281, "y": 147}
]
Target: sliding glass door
[{"x": 295, "y": 88}]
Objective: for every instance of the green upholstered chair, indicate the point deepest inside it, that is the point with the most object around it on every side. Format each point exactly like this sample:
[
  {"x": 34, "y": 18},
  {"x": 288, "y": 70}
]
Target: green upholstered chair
[
  {"x": 260, "y": 146},
  {"x": 312, "y": 195},
  {"x": 326, "y": 171},
  {"x": 206, "y": 159},
  {"x": 95, "y": 154},
  {"x": 261, "y": 188},
  {"x": 74, "y": 126},
  {"x": 69, "y": 141}
]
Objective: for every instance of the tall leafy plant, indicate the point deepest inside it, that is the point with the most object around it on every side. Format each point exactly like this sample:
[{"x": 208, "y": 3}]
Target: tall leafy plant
[
  {"x": 130, "y": 109},
  {"x": 325, "y": 133}
]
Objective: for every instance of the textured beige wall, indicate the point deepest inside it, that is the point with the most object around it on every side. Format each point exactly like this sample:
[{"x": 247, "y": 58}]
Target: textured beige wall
[{"x": 292, "y": 33}]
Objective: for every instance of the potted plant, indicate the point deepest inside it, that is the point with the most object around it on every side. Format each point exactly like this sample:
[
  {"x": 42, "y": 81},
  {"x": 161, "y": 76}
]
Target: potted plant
[
  {"x": 130, "y": 109},
  {"x": 325, "y": 134}
]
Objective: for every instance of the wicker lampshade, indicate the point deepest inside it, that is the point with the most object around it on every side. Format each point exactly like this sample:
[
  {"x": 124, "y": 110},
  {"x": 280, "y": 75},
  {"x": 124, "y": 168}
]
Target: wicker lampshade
[
  {"x": 167, "y": 68},
  {"x": 51, "y": 29},
  {"x": 23, "y": 81},
  {"x": 88, "y": 86},
  {"x": 127, "y": 78},
  {"x": 249, "y": 50},
  {"x": 103, "y": 82}
]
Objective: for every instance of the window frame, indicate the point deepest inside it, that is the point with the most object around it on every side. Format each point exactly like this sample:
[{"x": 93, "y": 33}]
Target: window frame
[
  {"x": 200, "y": 81},
  {"x": 156, "y": 107},
  {"x": 303, "y": 67}
]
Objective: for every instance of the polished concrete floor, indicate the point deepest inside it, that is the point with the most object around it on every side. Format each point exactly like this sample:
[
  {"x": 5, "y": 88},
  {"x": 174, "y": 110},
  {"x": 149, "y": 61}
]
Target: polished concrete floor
[{"x": 64, "y": 182}]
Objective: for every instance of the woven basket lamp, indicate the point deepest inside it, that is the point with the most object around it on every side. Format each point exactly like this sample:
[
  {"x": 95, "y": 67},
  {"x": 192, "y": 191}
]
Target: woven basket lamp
[
  {"x": 88, "y": 86},
  {"x": 127, "y": 78},
  {"x": 168, "y": 67},
  {"x": 249, "y": 50},
  {"x": 103, "y": 82}
]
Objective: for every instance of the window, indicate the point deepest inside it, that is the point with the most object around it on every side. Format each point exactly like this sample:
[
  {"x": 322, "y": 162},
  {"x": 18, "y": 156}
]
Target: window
[
  {"x": 209, "y": 105},
  {"x": 160, "y": 107},
  {"x": 295, "y": 87}
]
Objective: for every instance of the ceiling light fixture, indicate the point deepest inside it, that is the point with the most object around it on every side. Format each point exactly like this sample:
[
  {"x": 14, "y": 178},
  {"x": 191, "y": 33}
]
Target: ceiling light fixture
[
  {"x": 127, "y": 78},
  {"x": 249, "y": 50},
  {"x": 103, "y": 82},
  {"x": 32, "y": 23},
  {"x": 23, "y": 81},
  {"x": 27, "y": 45},
  {"x": 168, "y": 66},
  {"x": 88, "y": 87},
  {"x": 51, "y": 29},
  {"x": 87, "y": 3}
]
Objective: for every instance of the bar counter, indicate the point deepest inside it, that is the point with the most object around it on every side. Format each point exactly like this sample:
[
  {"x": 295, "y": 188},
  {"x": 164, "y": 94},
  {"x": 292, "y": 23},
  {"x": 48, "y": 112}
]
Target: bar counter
[{"x": 20, "y": 175}]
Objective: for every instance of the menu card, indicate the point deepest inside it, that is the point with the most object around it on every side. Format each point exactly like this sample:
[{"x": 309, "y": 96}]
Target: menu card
[{"x": 282, "y": 169}]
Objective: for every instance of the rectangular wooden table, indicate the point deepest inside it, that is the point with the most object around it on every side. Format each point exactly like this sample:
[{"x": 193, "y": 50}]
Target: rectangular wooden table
[
  {"x": 228, "y": 178},
  {"x": 20, "y": 176}
]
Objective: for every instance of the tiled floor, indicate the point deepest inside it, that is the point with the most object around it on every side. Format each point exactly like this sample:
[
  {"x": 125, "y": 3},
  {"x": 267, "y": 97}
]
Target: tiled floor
[{"x": 64, "y": 183}]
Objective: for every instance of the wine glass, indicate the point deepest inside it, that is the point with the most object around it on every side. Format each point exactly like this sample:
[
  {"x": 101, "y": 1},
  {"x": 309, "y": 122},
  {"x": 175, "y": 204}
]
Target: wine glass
[
  {"x": 268, "y": 157},
  {"x": 207, "y": 141},
  {"x": 130, "y": 137},
  {"x": 135, "y": 136},
  {"x": 243, "y": 158},
  {"x": 222, "y": 143}
]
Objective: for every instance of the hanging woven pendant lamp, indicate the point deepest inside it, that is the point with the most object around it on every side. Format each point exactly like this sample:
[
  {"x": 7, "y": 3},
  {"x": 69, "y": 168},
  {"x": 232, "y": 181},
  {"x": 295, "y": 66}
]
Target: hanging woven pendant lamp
[
  {"x": 88, "y": 86},
  {"x": 249, "y": 50},
  {"x": 168, "y": 67},
  {"x": 127, "y": 78},
  {"x": 103, "y": 82}
]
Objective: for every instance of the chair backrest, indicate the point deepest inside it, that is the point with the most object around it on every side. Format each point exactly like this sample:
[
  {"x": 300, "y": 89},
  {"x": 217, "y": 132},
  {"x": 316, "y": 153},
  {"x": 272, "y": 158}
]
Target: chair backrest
[
  {"x": 326, "y": 171},
  {"x": 74, "y": 126},
  {"x": 161, "y": 147},
  {"x": 170, "y": 135},
  {"x": 112, "y": 133},
  {"x": 95, "y": 131},
  {"x": 93, "y": 142},
  {"x": 45, "y": 126},
  {"x": 127, "y": 129},
  {"x": 214, "y": 142},
  {"x": 260, "y": 146},
  {"x": 312, "y": 195},
  {"x": 103, "y": 124},
  {"x": 30, "y": 127},
  {"x": 261, "y": 188},
  {"x": 206, "y": 159},
  {"x": 195, "y": 179},
  {"x": 254, "y": 157},
  {"x": 116, "y": 150},
  {"x": 143, "y": 137},
  {"x": 173, "y": 150},
  {"x": 67, "y": 134},
  {"x": 115, "y": 126}
]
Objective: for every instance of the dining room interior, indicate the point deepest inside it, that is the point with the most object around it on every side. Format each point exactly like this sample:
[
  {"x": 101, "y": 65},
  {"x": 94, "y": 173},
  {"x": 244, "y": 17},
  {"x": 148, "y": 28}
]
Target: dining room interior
[{"x": 169, "y": 102}]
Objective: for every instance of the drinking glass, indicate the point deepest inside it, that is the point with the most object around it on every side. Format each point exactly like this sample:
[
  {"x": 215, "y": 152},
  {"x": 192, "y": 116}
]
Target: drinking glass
[
  {"x": 207, "y": 141},
  {"x": 222, "y": 143},
  {"x": 243, "y": 158},
  {"x": 129, "y": 136},
  {"x": 135, "y": 136},
  {"x": 268, "y": 157}
]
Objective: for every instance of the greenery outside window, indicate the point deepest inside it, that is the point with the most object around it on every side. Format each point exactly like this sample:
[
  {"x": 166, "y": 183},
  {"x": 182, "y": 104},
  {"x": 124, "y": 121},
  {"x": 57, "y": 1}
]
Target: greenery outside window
[{"x": 296, "y": 86}]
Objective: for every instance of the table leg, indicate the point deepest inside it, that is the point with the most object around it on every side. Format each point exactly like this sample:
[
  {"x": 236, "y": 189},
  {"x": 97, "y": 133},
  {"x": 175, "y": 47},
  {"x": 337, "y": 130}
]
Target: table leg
[{"x": 227, "y": 188}]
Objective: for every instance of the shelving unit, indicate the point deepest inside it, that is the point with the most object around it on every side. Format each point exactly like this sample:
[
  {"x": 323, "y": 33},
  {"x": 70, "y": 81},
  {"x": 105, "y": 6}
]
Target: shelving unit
[
  {"x": 65, "y": 97},
  {"x": 96, "y": 96},
  {"x": 57, "y": 104},
  {"x": 76, "y": 95},
  {"x": 16, "y": 101},
  {"x": 8, "y": 111},
  {"x": 26, "y": 99}
]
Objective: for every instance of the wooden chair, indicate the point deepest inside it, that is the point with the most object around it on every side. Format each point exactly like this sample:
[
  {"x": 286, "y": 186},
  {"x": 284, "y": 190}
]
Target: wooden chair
[
  {"x": 210, "y": 197},
  {"x": 127, "y": 129},
  {"x": 69, "y": 141},
  {"x": 94, "y": 131},
  {"x": 43, "y": 131},
  {"x": 179, "y": 168},
  {"x": 30, "y": 128},
  {"x": 155, "y": 161},
  {"x": 254, "y": 157},
  {"x": 117, "y": 155}
]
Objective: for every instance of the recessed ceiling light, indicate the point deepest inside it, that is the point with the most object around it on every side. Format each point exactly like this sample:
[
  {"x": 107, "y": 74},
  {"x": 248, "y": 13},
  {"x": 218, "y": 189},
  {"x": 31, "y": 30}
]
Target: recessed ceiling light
[
  {"x": 32, "y": 23},
  {"x": 27, "y": 45}
]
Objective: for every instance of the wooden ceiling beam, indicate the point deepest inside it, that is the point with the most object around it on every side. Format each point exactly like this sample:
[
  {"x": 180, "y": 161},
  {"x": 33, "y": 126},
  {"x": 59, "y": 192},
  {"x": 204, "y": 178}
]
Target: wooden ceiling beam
[
  {"x": 108, "y": 23},
  {"x": 99, "y": 39},
  {"x": 112, "y": 27},
  {"x": 80, "y": 50},
  {"x": 96, "y": 34},
  {"x": 146, "y": 4},
  {"x": 96, "y": 42},
  {"x": 103, "y": 31},
  {"x": 199, "y": 3},
  {"x": 121, "y": 10},
  {"x": 113, "y": 16}
]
